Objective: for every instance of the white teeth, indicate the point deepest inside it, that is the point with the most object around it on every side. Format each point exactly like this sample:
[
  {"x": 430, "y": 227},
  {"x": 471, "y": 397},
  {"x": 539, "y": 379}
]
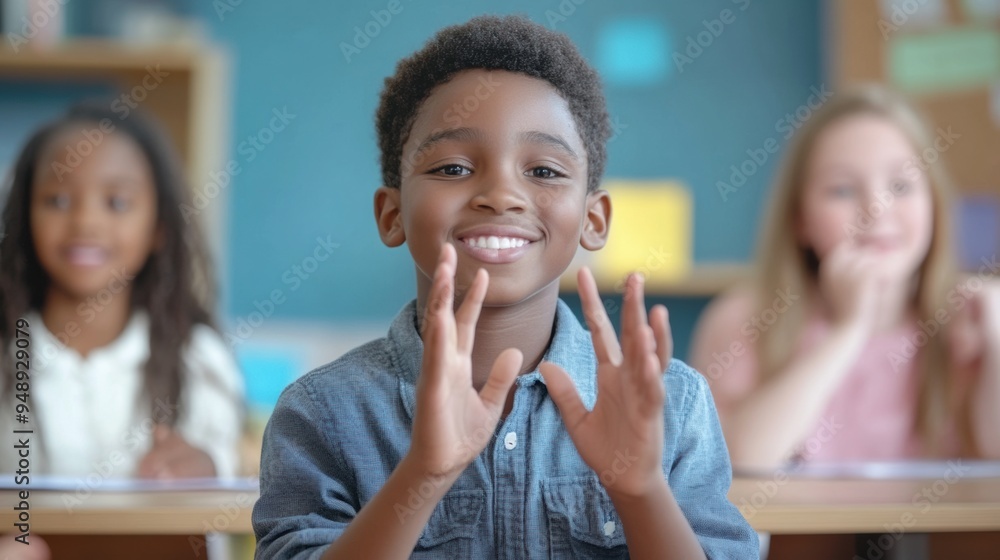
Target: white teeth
[{"x": 495, "y": 242}]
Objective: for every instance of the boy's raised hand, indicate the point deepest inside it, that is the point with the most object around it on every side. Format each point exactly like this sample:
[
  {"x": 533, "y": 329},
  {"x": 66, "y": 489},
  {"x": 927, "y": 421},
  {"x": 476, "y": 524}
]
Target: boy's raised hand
[
  {"x": 621, "y": 439},
  {"x": 453, "y": 422}
]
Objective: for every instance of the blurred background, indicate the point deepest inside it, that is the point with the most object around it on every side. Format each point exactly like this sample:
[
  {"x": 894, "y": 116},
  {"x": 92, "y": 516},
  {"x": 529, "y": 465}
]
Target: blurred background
[{"x": 271, "y": 106}]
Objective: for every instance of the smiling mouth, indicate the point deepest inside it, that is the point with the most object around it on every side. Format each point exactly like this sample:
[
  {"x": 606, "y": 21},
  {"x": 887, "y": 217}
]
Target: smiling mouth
[
  {"x": 86, "y": 256},
  {"x": 495, "y": 242},
  {"x": 495, "y": 249}
]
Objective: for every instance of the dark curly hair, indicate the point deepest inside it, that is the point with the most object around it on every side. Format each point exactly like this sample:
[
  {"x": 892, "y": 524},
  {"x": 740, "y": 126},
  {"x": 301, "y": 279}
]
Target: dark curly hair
[
  {"x": 175, "y": 286},
  {"x": 511, "y": 43}
]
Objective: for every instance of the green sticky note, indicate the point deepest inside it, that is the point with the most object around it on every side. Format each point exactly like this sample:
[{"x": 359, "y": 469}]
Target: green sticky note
[{"x": 953, "y": 60}]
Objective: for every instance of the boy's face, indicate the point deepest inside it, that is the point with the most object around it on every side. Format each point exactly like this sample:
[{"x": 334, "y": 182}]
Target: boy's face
[{"x": 495, "y": 166}]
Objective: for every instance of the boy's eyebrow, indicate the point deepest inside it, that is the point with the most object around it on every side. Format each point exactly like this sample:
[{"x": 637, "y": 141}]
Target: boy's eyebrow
[
  {"x": 463, "y": 134},
  {"x": 538, "y": 137},
  {"x": 466, "y": 134}
]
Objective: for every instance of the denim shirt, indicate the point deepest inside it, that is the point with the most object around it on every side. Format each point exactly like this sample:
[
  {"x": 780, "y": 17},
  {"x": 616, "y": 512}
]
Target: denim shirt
[{"x": 338, "y": 432}]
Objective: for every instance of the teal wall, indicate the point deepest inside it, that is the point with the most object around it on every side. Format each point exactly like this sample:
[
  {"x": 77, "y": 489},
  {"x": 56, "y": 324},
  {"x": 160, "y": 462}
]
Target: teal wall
[{"x": 316, "y": 178}]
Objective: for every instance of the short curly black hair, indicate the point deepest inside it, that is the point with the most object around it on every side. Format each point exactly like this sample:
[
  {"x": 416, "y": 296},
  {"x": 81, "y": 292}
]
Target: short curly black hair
[{"x": 511, "y": 43}]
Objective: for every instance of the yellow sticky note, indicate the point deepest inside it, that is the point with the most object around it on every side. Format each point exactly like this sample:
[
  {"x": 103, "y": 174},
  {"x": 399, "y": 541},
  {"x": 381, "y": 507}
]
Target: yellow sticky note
[{"x": 650, "y": 232}]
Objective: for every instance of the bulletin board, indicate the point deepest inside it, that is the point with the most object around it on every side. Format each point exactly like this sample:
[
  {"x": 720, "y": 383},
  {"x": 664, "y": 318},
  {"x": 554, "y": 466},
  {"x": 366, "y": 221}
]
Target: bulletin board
[{"x": 945, "y": 56}]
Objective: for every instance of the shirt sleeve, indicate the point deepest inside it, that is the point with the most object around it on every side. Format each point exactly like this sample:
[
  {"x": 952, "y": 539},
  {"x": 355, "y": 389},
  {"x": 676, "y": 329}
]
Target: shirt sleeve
[
  {"x": 305, "y": 503},
  {"x": 700, "y": 477},
  {"x": 213, "y": 416}
]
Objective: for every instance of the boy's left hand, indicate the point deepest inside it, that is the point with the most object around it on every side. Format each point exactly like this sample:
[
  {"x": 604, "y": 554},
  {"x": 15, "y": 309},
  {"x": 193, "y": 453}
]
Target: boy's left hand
[
  {"x": 173, "y": 457},
  {"x": 621, "y": 439}
]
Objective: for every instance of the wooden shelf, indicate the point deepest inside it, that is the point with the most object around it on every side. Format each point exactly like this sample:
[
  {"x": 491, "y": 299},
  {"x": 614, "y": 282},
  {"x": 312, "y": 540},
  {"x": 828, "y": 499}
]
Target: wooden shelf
[
  {"x": 97, "y": 55},
  {"x": 704, "y": 280},
  {"x": 188, "y": 95}
]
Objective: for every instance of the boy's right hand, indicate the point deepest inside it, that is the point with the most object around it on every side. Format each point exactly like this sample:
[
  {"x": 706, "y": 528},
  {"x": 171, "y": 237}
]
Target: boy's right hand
[{"x": 453, "y": 422}]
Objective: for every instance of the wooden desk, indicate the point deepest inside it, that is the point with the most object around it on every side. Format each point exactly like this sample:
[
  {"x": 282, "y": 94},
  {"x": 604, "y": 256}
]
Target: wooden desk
[
  {"x": 787, "y": 506},
  {"x": 806, "y": 505},
  {"x": 130, "y": 513}
]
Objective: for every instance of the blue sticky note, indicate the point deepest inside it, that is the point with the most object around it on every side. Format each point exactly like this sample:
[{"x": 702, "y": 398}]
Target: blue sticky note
[
  {"x": 267, "y": 372},
  {"x": 633, "y": 51},
  {"x": 978, "y": 220}
]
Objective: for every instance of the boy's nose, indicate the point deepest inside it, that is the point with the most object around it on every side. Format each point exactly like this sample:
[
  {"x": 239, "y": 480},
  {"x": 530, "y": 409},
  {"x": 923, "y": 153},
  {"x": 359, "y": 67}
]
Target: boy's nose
[{"x": 500, "y": 197}]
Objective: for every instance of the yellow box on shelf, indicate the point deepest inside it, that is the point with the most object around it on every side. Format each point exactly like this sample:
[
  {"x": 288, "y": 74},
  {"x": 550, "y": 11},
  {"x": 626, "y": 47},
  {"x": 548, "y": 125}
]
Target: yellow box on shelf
[{"x": 651, "y": 224}]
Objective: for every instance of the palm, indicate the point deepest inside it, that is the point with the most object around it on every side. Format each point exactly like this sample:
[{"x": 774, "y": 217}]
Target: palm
[
  {"x": 453, "y": 422},
  {"x": 621, "y": 438}
]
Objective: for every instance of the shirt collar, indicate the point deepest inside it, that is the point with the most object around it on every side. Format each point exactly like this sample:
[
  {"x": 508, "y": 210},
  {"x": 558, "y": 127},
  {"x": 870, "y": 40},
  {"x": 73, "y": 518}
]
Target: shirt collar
[
  {"x": 570, "y": 348},
  {"x": 129, "y": 349}
]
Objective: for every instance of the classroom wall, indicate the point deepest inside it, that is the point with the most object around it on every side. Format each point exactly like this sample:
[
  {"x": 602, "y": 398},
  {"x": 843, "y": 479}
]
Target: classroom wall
[{"x": 315, "y": 179}]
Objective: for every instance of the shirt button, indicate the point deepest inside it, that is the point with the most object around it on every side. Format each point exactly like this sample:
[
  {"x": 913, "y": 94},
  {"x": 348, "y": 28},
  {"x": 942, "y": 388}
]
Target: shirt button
[
  {"x": 609, "y": 528},
  {"x": 510, "y": 440}
]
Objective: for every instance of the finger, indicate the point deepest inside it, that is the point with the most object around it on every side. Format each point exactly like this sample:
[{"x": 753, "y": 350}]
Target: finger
[
  {"x": 440, "y": 295},
  {"x": 602, "y": 334},
  {"x": 468, "y": 313},
  {"x": 659, "y": 319},
  {"x": 505, "y": 369},
  {"x": 634, "y": 321},
  {"x": 564, "y": 394},
  {"x": 439, "y": 318}
]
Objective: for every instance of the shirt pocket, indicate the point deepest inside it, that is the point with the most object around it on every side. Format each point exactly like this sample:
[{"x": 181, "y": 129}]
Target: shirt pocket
[
  {"x": 453, "y": 526},
  {"x": 582, "y": 519}
]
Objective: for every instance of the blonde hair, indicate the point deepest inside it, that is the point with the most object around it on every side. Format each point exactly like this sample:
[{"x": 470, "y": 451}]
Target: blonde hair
[{"x": 784, "y": 263}]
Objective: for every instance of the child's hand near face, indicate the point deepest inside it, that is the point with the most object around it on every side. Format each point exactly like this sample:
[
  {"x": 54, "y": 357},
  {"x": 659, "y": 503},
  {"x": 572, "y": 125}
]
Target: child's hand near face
[
  {"x": 626, "y": 423},
  {"x": 173, "y": 457},
  {"x": 453, "y": 423},
  {"x": 849, "y": 278}
]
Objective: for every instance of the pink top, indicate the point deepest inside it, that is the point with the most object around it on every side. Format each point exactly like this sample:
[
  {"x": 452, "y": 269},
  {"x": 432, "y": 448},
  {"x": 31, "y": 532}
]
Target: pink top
[{"x": 872, "y": 415}]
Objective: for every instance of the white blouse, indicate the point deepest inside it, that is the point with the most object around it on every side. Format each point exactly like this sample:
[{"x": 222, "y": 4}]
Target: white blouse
[{"x": 92, "y": 418}]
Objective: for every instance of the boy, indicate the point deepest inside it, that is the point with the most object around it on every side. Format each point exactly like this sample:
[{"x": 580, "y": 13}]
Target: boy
[{"x": 462, "y": 434}]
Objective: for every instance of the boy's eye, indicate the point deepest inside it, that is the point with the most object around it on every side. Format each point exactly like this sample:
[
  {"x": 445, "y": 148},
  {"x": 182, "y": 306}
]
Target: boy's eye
[
  {"x": 544, "y": 173},
  {"x": 452, "y": 170}
]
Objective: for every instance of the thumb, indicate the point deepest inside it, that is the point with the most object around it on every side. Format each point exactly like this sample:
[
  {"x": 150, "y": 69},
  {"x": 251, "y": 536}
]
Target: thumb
[
  {"x": 563, "y": 393},
  {"x": 502, "y": 376}
]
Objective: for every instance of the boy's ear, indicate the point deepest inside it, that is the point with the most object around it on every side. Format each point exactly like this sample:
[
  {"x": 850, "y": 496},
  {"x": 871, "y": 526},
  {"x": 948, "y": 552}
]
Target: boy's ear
[
  {"x": 597, "y": 221},
  {"x": 388, "y": 216}
]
